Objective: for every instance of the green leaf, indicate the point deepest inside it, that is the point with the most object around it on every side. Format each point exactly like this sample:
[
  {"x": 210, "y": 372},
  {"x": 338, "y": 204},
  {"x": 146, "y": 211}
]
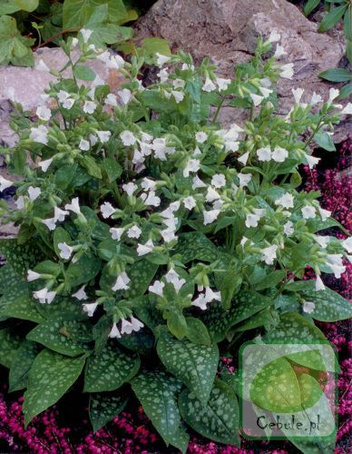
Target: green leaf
[
  {"x": 151, "y": 46},
  {"x": 60, "y": 236},
  {"x": 141, "y": 274},
  {"x": 196, "y": 246},
  {"x": 81, "y": 272},
  {"x": 10, "y": 343},
  {"x": 177, "y": 325},
  {"x": 219, "y": 419},
  {"x": 194, "y": 365},
  {"x": 332, "y": 18},
  {"x": 109, "y": 34},
  {"x": 141, "y": 341},
  {"x": 219, "y": 321},
  {"x": 329, "y": 305},
  {"x": 23, "y": 307},
  {"x": 110, "y": 369},
  {"x": 8, "y": 7},
  {"x": 336, "y": 75},
  {"x": 263, "y": 318},
  {"x": 197, "y": 332},
  {"x": 348, "y": 52},
  {"x": 50, "y": 378},
  {"x": 103, "y": 407},
  {"x": 9, "y": 279},
  {"x": 20, "y": 256},
  {"x": 14, "y": 48},
  {"x": 76, "y": 13},
  {"x": 27, "y": 5},
  {"x": 228, "y": 286},
  {"x": 64, "y": 175},
  {"x": 324, "y": 140},
  {"x": 91, "y": 166},
  {"x": 346, "y": 90},
  {"x": 271, "y": 280},
  {"x": 295, "y": 329},
  {"x": 62, "y": 335},
  {"x": 82, "y": 72},
  {"x": 112, "y": 169},
  {"x": 21, "y": 364},
  {"x": 310, "y": 6},
  {"x": 348, "y": 24},
  {"x": 158, "y": 394}
]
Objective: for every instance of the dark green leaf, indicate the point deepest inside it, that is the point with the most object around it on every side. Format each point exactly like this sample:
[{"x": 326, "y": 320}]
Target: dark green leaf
[
  {"x": 103, "y": 407},
  {"x": 23, "y": 307},
  {"x": 20, "y": 257},
  {"x": 21, "y": 364},
  {"x": 112, "y": 169},
  {"x": 348, "y": 24},
  {"x": 271, "y": 280},
  {"x": 310, "y": 6},
  {"x": 332, "y": 18},
  {"x": 336, "y": 75},
  {"x": 197, "y": 332},
  {"x": 10, "y": 343}
]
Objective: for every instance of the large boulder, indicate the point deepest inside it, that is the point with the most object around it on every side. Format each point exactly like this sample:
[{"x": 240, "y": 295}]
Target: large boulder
[{"x": 227, "y": 31}]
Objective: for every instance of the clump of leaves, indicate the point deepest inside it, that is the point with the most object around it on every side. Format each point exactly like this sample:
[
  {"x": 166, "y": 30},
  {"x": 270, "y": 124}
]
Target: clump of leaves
[{"x": 152, "y": 239}]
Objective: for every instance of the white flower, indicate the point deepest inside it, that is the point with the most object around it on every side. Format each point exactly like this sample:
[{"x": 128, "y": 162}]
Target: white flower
[
  {"x": 107, "y": 210},
  {"x": 297, "y": 94},
  {"x": 74, "y": 42},
  {"x": 323, "y": 241},
  {"x": 33, "y": 193},
  {"x": 308, "y": 307},
  {"x": 81, "y": 294},
  {"x": 111, "y": 100},
  {"x": 44, "y": 113},
  {"x": 114, "y": 333},
  {"x": 44, "y": 165},
  {"x": 89, "y": 107},
  {"x": 50, "y": 223},
  {"x": 136, "y": 324},
  {"x": 274, "y": 37},
  {"x": 73, "y": 206},
  {"x": 62, "y": 95},
  {"x": 193, "y": 165},
  {"x": 125, "y": 95},
  {"x": 20, "y": 202},
  {"x": 311, "y": 161},
  {"x": 287, "y": 71},
  {"x": 148, "y": 184},
  {"x": 178, "y": 95},
  {"x": 223, "y": 84},
  {"x": 59, "y": 214},
  {"x": 90, "y": 308},
  {"x": 210, "y": 216},
  {"x": 115, "y": 62},
  {"x": 244, "y": 158},
  {"x": 44, "y": 296},
  {"x": 266, "y": 92},
  {"x": 252, "y": 220},
  {"x": 157, "y": 288},
  {"x": 68, "y": 103},
  {"x": 169, "y": 212},
  {"x": 286, "y": 200},
  {"x": 218, "y": 180},
  {"x": 4, "y": 184},
  {"x": 212, "y": 195},
  {"x": 244, "y": 178},
  {"x": 347, "y": 244},
  {"x": 85, "y": 34},
  {"x": 316, "y": 99},
  {"x": 189, "y": 202},
  {"x": 151, "y": 199},
  {"x": 279, "y": 52},
  {"x": 325, "y": 214},
  {"x": 146, "y": 248},
  {"x": 210, "y": 295},
  {"x": 84, "y": 145},
  {"x": 126, "y": 327},
  {"x": 198, "y": 183},
  {"x": 308, "y": 212},
  {"x": 134, "y": 232},
  {"x": 162, "y": 59},
  {"x": 201, "y": 137},
  {"x": 129, "y": 188},
  {"x": 347, "y": 110},
  {"x": 178, "y": 83},
  {"x": 264, "y": 154},
  {"x": 333, "y": 94},
  {"x": 163, "y": 75},
  {"x": 334, "y": 261},
  {"x": 209, "y": 85},
  {"x": 93, "y": 139},
  {"x": 279, "y": 154},
  {"x": 33, "y": 276},
  {"x": 104, "y": 136},
  {"x": 122, "y": 282},
  {"x": 200, "y": 302},
  {"x": 65, "y": 250},
  {"x": 269, "y": 254},
  {"x": 256, "y": 99},
  {"x": 319, "y": 284},
  {"x": 168, "y": 235},
  {"x": 116, "y": 233},
  {"x": 288, "y": 228},
  {"x": 39, "y": 135},
  {"x": 127, "y": 138}
]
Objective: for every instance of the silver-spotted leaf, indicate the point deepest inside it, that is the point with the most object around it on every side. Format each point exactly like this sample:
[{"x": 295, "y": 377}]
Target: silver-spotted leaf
[
  {"x": 50, "y": 377},
  {"x": 110, "y": 369},
  {"x": 195, "y": 365},
  {"x": 21, "y": 257},
  {"x": 21, "y": 364},
  {"x": 219, "y": 419},
  {"x": 103, "y": 407},
  {"x": 10, "y": 343},
  {"x": 22, "y": 307},
  {"x": 158, "y": 395}
]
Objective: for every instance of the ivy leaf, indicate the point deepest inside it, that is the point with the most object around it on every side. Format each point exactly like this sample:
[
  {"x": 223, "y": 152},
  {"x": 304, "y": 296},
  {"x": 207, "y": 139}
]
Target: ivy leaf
[
  {"x": 103, "y": 407},
  {"x": 10, "y": 343},
  {"x": 21, "y": 364},
  {"x": 50, "y": 377},
  {"x": 194, "y": 365},
  {"x": 62, "y": 335},
  {"x": 14, "y": 48},
  {"x": 20, "y": 256},
  {"x": 158, "y": 394},
  {"x": 219, "y": 419},
  {"x": 329, "y": 305},
  {"x": 109, "y": 369}
]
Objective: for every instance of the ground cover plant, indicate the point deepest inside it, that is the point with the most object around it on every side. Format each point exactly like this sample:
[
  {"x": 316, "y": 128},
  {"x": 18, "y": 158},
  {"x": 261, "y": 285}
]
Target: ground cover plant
[{"x": 152, "y": 240}]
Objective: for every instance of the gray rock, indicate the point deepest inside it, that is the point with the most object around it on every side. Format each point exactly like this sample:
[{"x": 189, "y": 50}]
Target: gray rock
[{"x": 227, "y": 31}]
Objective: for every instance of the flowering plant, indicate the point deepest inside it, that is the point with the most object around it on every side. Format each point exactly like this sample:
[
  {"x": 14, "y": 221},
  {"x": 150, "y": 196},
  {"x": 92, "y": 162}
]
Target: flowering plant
[{"x": 151, "y": 238}]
